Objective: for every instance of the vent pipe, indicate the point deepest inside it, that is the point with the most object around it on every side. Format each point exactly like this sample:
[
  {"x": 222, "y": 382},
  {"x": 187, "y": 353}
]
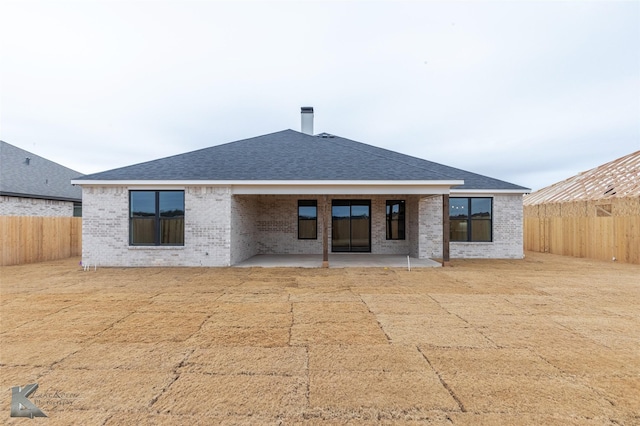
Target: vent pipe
[{"x": 307, "y": 120}]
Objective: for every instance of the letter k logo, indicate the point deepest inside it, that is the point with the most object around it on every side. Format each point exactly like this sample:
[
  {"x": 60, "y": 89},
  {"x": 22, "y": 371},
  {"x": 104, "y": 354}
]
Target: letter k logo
[{"x": 21, "y": 406}]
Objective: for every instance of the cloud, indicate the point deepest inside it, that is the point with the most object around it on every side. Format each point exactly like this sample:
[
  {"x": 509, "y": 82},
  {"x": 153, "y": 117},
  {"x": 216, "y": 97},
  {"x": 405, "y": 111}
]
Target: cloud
[{"x": 522, "y": 91}]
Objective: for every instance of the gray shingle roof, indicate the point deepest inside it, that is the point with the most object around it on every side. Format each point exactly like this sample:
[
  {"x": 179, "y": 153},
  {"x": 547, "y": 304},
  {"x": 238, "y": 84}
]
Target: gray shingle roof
[
  {"x": 291, "y": 155},
  {"x": 36, "y": 177}
]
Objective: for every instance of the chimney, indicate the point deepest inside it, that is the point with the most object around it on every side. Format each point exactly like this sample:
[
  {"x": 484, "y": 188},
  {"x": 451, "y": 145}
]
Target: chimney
[{"x": 307, "y": 120}]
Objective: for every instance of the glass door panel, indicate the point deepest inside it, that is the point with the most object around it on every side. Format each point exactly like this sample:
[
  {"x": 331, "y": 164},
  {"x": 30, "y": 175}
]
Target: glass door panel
[
  {"x": 360, "y": 227},
  {"x": 340, "y": 227},
  {"x": 351, "y": 225}
]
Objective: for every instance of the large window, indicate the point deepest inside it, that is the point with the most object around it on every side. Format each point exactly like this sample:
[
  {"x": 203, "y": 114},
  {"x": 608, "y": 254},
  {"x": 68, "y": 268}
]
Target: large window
[
  {"x": 156, "y": 218},
  {"x": 470, "y": 219},
  {"x": 395, "y": 220},
  {"x": 307, "y": 219}
]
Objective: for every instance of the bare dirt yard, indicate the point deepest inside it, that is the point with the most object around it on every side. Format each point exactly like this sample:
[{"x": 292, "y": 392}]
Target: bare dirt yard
[{"x": 548, "y": 340}]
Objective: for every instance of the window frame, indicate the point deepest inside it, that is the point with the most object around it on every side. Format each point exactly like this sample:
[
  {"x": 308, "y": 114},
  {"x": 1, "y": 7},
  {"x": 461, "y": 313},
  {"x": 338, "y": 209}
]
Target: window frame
[
  {"x": 157, "y": 219},
  {"x": 77, "y": 209},
  {"x": 470, "y": 221},
  {"x": 402, "y": 219},
  {"x": 308, "y": 203}
]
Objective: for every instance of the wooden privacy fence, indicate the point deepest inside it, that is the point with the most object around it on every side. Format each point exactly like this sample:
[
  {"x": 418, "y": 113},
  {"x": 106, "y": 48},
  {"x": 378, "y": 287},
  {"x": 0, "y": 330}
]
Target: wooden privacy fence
[
  {"x": 29, "y": 239},
  {"x": 603, "y": 229}
]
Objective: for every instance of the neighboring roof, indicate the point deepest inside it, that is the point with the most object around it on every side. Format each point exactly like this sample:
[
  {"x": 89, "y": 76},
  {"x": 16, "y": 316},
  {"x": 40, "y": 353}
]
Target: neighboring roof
[
  {"x": 24, "y": 174},
  {"x": 617, "y": 179},
  {"x": 295, "y": 156}
]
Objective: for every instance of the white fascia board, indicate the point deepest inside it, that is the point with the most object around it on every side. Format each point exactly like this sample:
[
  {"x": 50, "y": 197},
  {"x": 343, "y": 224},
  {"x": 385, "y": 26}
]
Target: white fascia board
[
  {"x": 349, "y": 182},
  {"x": 137, "y": 185},
  {"x": 476, "y": 192},
  {"x": 266, "y": 182},
  {"x": 342, "y": 187},
  {"x": 337, "y": 189},
  {"x": 154, "y": 183},
  {"x": 294, "y": 187}
]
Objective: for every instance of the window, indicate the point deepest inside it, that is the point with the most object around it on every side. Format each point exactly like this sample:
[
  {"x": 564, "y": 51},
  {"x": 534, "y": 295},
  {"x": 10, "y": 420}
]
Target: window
[
  {"x": 77, "y": 209},
  {"x": 395, "y": 220},
  {"x": 156, "y": 218},
  {"x": 470, "y": 219},
  {"x": 307, "y": 219}
]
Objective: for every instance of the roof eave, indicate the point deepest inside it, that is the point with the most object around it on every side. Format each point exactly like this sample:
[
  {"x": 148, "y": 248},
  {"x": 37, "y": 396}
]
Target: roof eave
[
  {"x": 90, "y": 182},
  {"x": 40, "y": 197},
  {"x": 286, "y": 187},
  {"x": 460, "y": 191}
]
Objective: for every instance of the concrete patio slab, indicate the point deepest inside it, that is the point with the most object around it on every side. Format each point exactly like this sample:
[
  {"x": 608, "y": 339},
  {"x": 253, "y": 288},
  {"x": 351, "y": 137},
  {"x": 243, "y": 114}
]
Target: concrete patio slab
[{"x": 336, "y": 260}]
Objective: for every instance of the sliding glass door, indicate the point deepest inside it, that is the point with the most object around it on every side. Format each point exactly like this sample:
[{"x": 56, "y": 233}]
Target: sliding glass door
[{"x": 351, "y": 225}]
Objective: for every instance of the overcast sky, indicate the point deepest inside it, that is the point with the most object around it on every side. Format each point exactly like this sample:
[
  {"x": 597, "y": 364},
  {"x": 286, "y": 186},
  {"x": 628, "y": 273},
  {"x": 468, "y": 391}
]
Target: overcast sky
[{"x": 527, "y": 92}]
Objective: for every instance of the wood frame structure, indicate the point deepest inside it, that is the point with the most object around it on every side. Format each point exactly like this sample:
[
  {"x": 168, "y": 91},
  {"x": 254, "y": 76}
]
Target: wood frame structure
[
  {"x": 617, "y": 179},
  {"x": 595, "y": 214}
]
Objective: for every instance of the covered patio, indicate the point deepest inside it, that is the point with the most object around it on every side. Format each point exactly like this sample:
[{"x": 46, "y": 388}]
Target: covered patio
[
  {"x": 383, "y": 225},
  {"x": 337, "y": 260}
]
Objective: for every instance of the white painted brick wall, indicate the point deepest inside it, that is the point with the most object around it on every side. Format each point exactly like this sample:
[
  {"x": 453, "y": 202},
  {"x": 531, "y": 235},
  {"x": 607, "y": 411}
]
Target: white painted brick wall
[
  {"x": 244, "y": 221},
  {"x": 207, "y": 226},
  {"x": 105, "y": 230},
  {"x": 105, "y": 226},
  {"x": 379, "y": 242},
  {"x": 430, "y": 240},
  {"x": 17, "y": 206},
  {"x": 221, "y": 229},
  {"x": 277, "y": 226},
  {"x": 507, "y": 231}
]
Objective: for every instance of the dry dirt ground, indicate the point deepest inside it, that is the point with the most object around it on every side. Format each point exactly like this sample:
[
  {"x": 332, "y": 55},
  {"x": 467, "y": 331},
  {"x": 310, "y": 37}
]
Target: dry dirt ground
[{"x": 548, "y": 340}]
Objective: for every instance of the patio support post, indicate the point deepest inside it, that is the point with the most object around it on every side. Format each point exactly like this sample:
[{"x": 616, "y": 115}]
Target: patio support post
[
  {"x": 445, "y": 230},
  {"x": 325, "y": 233}
]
